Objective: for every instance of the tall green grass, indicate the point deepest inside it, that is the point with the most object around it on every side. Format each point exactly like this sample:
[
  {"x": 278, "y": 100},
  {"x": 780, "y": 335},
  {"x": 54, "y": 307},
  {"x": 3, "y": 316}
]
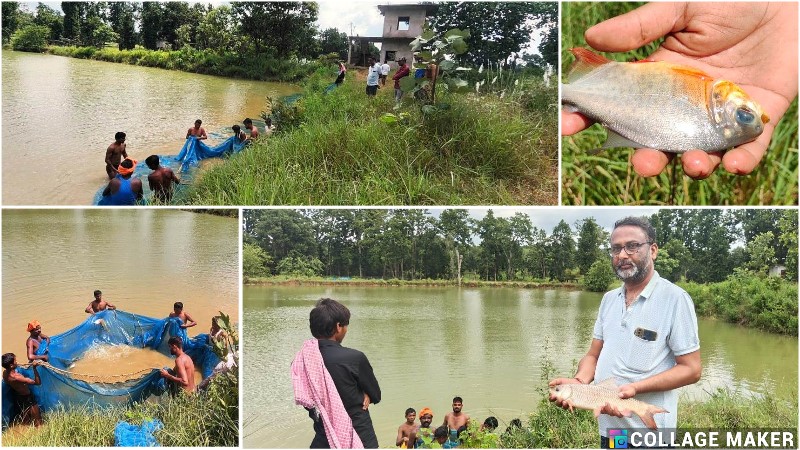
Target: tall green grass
[
  {"x": 334, "y": 149},
  {"x": 187, "y": 59},
  {"x": 207, "y": 420},
  {"x": 608, "y": 178}
]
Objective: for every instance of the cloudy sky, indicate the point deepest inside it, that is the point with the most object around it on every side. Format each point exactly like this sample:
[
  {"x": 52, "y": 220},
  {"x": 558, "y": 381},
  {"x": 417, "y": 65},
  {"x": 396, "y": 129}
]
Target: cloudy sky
[{"x": 362, "y": 14}]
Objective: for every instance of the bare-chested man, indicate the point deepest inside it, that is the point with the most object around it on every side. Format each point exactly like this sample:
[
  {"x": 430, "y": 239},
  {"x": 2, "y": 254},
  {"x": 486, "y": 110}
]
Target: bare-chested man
[
  {"x": 456, "y": 419},
  {"x": 183, "y": 373},
  {"x": 115, "y": 153},
  {"x": 248, "y": 123},
  {"x": 98, "y": 304},
  {"x": 407, "y": 429},
  {"x": 21, "y": 393},
  {"x": 197, "y": 131},
  {"x": 177, "y": 311},
  {"x": 35, "y": 340},
  {"x": 161, "y": 179}
]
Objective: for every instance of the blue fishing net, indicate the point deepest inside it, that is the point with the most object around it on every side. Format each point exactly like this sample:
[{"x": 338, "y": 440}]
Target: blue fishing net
[
  {"x": 110, "y": 327},
  {"x": 192, "y": 152},
  {"x": 128, "y": 435}
]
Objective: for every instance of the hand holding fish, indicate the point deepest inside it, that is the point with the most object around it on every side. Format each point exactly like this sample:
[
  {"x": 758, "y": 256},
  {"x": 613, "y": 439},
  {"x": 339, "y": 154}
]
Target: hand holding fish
[{"x": 752, "y": 44}]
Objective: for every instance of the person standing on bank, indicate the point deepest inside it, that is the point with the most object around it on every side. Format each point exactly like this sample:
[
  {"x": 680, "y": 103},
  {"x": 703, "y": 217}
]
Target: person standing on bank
[
  {"x": 341, "y": 417},
  {"x": 645, "y": 335},
  {"x": 402, "y": 71}
]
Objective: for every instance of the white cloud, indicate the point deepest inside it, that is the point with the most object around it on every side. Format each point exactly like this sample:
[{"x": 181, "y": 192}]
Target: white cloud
[{"x": 364, "y": 16}]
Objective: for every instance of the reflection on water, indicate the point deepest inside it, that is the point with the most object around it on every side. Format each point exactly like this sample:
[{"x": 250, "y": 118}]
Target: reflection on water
[
  {"x": 488, "y": 346},
  {"x": 83, "y": 103},
  {"x": 143, "y": 260}
]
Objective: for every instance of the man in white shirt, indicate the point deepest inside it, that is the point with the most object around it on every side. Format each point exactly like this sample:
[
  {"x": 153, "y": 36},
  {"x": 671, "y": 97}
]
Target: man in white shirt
[
  {"x": 373, "y": 72},
  {"x": 384, "y": 72}
]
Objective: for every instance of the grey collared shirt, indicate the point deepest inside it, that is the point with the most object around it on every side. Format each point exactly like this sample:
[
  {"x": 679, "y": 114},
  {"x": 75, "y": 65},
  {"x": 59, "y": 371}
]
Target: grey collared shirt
[{"x": 662, "y": 308}]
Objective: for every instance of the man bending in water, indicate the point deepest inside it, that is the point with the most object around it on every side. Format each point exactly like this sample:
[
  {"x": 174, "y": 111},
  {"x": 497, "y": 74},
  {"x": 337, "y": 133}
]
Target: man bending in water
[
  {"x": 184, "y": 367},
  {"x": 98, "y": 304},
  {"x": 161, "y": 179},
  {"x": 197, "y": 130},
  {"x": 21, "y": 393},
  {"x": 186, "y": 319},
  {"x": 115, "y": 153}
]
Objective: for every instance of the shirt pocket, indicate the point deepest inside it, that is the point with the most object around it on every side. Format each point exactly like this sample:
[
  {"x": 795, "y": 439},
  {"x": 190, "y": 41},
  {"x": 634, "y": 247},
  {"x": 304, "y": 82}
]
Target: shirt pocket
[{"x": 641, "y": 354}]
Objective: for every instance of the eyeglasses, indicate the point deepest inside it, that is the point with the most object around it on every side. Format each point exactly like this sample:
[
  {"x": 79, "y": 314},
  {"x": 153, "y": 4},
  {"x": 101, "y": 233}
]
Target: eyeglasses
[{"x": 630, "y": 248}]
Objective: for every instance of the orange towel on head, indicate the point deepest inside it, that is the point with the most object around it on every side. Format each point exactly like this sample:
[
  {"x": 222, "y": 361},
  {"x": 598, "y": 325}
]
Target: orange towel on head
[
  {"x": 33, "y": 324},
  {"x": 124, "y": 171},
  {"x": 425, "y": 411}
]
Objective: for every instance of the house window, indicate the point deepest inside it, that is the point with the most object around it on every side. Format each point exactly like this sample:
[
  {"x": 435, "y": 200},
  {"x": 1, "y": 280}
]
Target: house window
[
  {"x": 390, "y": 56},
  {"x": 403, "y": 23}
]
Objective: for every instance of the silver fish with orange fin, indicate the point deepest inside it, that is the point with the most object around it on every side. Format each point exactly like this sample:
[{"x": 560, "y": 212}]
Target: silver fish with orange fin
[
  {"x": 591, "y": 396},
  {"x": 660, "y": 105}
]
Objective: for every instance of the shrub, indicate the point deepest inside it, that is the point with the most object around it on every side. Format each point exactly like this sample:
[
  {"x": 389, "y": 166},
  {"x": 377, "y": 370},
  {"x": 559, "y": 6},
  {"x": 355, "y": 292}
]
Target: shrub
[
  {"x": 599, "y": 276},
  {"x": 32, "y": 38}
]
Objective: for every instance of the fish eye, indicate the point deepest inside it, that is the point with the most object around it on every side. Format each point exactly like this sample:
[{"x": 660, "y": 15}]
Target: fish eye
[{"x": 744, "y": 116}]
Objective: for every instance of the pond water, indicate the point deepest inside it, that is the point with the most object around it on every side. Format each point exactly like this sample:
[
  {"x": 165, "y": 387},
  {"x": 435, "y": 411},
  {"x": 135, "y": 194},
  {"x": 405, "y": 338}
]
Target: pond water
[
  {"x": 60, "y": 115},
  {"x": 489, "y": 346},
  {"x": 143, "y": 260}
]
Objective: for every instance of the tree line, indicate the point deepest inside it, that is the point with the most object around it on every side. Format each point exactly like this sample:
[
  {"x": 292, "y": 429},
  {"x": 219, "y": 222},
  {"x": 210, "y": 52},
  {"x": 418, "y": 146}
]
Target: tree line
[
  {"x": 275, "y": 29},
  {"x": 695, "y": 245}
]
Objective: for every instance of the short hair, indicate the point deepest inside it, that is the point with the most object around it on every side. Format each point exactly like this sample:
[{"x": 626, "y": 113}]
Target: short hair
[
  {"x": 198, "y": 122},
  {"x": 268, "y": 121},
  {"x": 8, "y": 359},
  {"x": 403, "y": 59},
  {"x": 640, "y": 222},
  {"x": 247, "y": 120},
  {"x": 128, "y": 164},
  {"x": 324, "y": 317},
  {"x": 491, "y": 422},
  {"x": 411, "y": 410},
  {"x": 440, "y": 432},
  {"x": 178, "y": 305},
  {"x": 152, "y": 162},
  {"x": 97, "y": 292},
  {"x": 175, "y": 340},
  {"x": 516, "y": 423},
  {"x": 119, "y": 135},
  {"x": 458, "y": 399},
  {"x": 236, "y": 129}
]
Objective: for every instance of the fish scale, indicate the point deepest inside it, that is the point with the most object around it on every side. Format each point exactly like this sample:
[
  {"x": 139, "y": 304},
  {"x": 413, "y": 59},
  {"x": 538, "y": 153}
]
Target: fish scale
[{"x": 659, "y": 105}]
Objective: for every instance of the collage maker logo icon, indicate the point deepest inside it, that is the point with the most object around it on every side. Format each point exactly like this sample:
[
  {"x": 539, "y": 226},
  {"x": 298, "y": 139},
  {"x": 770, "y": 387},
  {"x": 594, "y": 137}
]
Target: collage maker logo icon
[{"x": 617, "y": 438}]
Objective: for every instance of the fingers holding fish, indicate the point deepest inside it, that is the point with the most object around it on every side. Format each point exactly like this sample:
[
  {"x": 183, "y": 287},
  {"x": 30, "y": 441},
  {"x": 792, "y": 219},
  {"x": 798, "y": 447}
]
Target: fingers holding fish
[
  {"x": 636, "y": 28},
  {"x": 611, "y": 410},
  {"x": 745, "y": 158},
  {"x": 648, "y": 162},
  {"x": 699, "y": 164},
  {"x": 573, "y": 122}
]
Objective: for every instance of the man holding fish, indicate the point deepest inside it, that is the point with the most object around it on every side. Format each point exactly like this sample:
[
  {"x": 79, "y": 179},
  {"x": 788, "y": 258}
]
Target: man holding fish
[{"x": 645, "y": 342}]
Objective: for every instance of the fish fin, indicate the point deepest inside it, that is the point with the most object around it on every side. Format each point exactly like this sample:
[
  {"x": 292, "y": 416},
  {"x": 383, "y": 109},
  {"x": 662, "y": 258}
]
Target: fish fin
[
  {"x": 572, "y": 108},
  {"x": 585, "y": 62},
  {"x": 647, "y": 417},
  {"x": 608, "y": 383},
  {"x": 617, "y": 140},
  {"x": 690, "y": 71}
]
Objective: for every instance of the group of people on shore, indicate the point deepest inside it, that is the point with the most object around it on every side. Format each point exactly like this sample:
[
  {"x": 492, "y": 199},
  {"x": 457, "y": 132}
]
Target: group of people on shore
[
  {"x": 181, "y": 376},
  {"x": 123, "y": 190},
  {"x": 378, "y": 73}
]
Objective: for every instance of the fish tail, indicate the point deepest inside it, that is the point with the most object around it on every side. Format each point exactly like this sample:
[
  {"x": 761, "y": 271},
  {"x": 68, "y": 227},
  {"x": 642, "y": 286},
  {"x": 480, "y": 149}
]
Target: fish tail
[{"x": 647, "y": 416}]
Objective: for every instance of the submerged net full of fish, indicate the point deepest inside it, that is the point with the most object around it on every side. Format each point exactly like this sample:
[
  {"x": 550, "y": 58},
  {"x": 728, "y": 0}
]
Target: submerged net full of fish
[{"x": 107, "y": 334}]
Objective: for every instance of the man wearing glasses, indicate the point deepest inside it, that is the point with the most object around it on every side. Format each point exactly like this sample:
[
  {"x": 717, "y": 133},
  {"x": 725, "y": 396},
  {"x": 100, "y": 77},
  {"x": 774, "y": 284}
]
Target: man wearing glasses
[{"x": 645, "y": 336}]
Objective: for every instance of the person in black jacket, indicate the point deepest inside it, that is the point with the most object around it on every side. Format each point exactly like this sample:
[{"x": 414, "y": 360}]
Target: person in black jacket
[{"x": 350, "y": 370}]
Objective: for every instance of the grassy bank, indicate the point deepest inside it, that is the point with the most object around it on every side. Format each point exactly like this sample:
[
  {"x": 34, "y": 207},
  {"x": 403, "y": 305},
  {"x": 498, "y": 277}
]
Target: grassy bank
[
  {"x": 209, "y": 420},
  {"x": 765, "y": 303},
  {"x": 328, "y": 281},
  {"x": 335, "y": 149},
  {"x": 607, "y": 178},
  {"x": 258, "y": 67}
]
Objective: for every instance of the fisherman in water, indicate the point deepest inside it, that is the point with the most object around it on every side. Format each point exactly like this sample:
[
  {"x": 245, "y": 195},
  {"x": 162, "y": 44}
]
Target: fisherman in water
[{"x": 645, "y": 337}]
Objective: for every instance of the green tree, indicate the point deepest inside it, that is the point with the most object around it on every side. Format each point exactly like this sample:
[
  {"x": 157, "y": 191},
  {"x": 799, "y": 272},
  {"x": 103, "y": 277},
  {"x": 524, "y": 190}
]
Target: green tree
[
  {"x": 673, "y": 260},
  {"x": 599, "y": 276},
  {"x": 123, "y": 21},
  {"x": 255, "y": 261},
  {"x": 454, "y": 225},
  {"x": 73, "y": 16},
  {"x": 788, "y": 237},
  {"x": 331, "y": 40},
  {"x": 216, "y": 31},
  {"x": 50, "y": 18},
  {"x": 151, "y": 24},
  {"x": 32, "y": 38},
  {"x": 296, "y": 265},
  {"x": 562, "y": 249},
  {"x": 497, "y": 29},
  {"x": 761, "y": 253},
  {"x": 591, "y": 241},
  {"x": 278, "y": 28},
  {"x": 10, "y": 19}
]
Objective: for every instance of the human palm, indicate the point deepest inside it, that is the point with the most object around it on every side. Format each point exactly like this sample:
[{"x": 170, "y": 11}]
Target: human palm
[{"x": 751, "y": 44}]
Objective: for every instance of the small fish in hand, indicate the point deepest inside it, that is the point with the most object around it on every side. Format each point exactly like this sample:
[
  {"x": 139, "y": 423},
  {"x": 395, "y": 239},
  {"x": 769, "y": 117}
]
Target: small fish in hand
[
  {"x": 593, "y": 396},
  {"x": 661, "y": 105}
]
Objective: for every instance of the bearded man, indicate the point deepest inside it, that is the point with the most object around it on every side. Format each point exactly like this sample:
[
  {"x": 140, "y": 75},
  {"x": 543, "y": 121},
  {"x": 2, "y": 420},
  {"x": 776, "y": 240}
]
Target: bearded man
[{"x": 645, "y": 336}]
